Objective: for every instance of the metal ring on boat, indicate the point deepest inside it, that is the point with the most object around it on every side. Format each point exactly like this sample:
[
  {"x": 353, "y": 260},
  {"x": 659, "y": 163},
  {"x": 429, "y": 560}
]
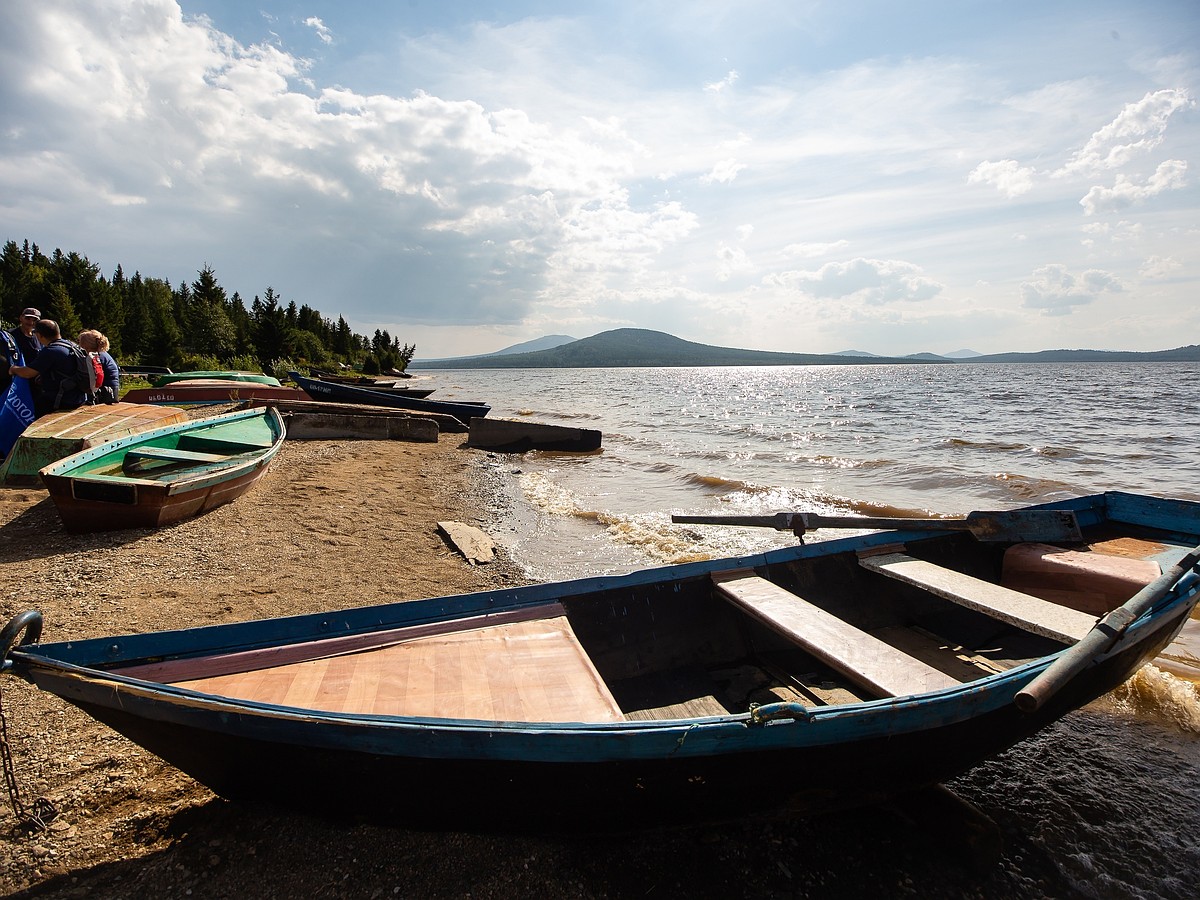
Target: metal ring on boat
[{"x": 29, "y": 622}]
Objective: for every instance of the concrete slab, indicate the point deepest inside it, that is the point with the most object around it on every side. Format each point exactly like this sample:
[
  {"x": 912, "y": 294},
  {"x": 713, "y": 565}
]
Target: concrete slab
[
  {"x": 315, "y": 426},
  {"x": 519, "y": 435},
  {"x": 475, "y": 545}
]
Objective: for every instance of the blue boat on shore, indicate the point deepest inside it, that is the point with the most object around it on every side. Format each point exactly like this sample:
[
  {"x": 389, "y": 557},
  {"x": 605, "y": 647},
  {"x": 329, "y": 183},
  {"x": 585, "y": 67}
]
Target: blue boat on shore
[
  {"x": 348, "y": 393},
  {"x": 821, "y": 675}
]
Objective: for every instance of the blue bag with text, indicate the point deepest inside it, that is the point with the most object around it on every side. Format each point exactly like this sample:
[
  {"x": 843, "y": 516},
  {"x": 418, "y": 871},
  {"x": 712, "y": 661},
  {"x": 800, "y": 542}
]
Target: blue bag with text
[{"x": 17, "y": 411}]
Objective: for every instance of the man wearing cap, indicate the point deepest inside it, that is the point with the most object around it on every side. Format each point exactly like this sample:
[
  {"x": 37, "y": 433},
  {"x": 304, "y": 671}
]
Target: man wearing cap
[{"x": 23, "y": 334}]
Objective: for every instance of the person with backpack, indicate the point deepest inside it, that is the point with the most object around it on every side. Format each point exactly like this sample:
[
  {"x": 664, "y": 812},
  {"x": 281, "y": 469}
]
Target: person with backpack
[
  {"x": 63, "y": 382},
  {"x": 95, "y": 342}
]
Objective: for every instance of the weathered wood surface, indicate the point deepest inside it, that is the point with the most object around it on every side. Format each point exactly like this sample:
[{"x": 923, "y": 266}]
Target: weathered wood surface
[
  {"x": 58, "y": 435},
  {"x": 325, "y": 426},
  {"x": 444, "y": 422},
  {"x": 859, "y": 656},
  {"x": 532, "y": 671},
  {"x": 1026, "y": 612},
  {"x": 1085, "y": 580},
  {"x": 519, "y": 435},
  {"x": 475, "y": 546}
]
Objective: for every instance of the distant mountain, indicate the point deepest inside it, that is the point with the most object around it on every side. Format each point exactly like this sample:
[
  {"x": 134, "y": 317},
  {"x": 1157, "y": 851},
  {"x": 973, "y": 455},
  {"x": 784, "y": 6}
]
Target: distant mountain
[
  {"x": 626, "y": 347},
  {"x": 548, "y": 342},
  {"x": 1190, "y": 353},
  {"x": 957, "y": 354}
]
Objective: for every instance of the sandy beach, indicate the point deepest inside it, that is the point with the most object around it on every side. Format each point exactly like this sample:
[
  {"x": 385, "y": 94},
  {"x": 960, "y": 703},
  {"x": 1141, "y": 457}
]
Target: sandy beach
[{"x": 337, "y": 524}]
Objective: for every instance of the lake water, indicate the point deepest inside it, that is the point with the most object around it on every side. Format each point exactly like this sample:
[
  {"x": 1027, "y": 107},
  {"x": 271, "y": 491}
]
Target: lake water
[{"x": 890, "y": 440}]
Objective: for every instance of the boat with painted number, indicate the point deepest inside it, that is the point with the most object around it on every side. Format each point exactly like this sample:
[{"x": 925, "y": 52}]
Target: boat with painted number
[
  {"x": 815, "y": 676},
  {"x": 213, "y": 391},
  {"x": 159, "y": 477}
]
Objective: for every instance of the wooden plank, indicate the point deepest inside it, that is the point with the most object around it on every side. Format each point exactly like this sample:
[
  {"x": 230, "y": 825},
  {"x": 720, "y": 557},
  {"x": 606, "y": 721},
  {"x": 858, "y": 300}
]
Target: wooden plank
[
  {"x": 859, "y": 656},
  {"x": 167, "y": 454},
  {"x": 519, "y": 671},
  {"x": 1028, "y": 613},
  {"x": 1086, "y": 580},
  {"x": 231, "y": 663}
]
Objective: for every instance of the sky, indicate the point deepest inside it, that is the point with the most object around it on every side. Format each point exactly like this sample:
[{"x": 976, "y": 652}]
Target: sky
[{"x": 798, "y": 176}]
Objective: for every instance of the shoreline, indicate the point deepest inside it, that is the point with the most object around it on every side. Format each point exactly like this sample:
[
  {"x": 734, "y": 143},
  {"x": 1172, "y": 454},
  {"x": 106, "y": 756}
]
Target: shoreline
[{"x": 332, "y": 524}]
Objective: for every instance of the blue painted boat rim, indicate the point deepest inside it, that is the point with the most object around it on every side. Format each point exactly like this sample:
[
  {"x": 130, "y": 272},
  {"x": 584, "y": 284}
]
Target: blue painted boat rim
[{"x": 735, "y": 731}]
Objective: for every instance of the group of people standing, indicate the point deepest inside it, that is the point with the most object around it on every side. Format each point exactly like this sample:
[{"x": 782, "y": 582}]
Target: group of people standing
[{"x": 49, "y": 362}]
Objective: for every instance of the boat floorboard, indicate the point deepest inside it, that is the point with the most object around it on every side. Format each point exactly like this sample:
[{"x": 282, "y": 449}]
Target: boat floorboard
[{"x": 529, "y": 671}]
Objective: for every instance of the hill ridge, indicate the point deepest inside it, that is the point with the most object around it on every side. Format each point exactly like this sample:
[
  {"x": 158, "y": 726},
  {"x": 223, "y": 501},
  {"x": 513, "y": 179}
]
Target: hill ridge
[{"x": 632, "y": 347}]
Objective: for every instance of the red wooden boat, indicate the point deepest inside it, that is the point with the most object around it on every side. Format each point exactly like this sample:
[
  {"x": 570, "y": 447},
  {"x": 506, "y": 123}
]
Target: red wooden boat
[{"x": 208, "y": 391}]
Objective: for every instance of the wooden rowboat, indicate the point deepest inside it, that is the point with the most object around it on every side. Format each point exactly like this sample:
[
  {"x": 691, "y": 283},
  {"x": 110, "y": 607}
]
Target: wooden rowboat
[
  {"x": 57, "y": 435},
  {"x": 159, "y": 477},
  {"x": 346, "y": 393},
  {"x": 816, "y": 676},
  {"x": 164, "y": 379},
  {"x": 211, "y": 391}
]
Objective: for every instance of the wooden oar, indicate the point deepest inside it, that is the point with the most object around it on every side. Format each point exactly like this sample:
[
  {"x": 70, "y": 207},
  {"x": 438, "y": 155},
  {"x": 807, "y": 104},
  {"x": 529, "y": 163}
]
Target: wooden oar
[
  {"x": 1048, "y": 525},
  {"x": 1102, "y": 637}
]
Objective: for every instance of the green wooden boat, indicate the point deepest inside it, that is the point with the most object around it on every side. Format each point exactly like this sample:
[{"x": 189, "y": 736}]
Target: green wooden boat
[
  {"x": 159, "y": 477},
  {"x": 60, "y": 434},
  {"x": 256, "y": 377}
]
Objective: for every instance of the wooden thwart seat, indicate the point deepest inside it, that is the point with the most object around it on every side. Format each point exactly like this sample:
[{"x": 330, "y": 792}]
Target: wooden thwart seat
[
  {"x": 168, "y": 454},
  {"x": 1028, "y": 613},
  {"x": 869, "y": 662}
]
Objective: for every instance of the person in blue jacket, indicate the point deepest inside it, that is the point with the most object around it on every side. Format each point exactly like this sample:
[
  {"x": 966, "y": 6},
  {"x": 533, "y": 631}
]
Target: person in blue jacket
[{"x": 96, "y": 342}]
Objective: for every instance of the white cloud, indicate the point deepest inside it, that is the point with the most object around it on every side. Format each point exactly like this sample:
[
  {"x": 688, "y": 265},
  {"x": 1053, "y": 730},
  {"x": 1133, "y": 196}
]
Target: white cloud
[
  {"x": 873, "y": 281},
  {"x": 1125, "y": 192},
  {"x": 322, "y": 30},
  {"x": 723, "y": 172},
  {"x": 716, "y": 87},
  {"x": 1007, "y": 176},
  {"x": 424, "y": 169},
  {"x": 813, "y": 250},
  {"x": 1160, "y": 268},
  {"x": 1055, "y": 291},
  {"x": 1137, "y": 129}
]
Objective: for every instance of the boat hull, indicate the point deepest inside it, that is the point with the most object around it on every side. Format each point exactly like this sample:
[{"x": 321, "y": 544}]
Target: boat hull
[
  {"x": 595, "y": 779},
  {"x": 195, "y": 697},
  {"x": 208, "y": 392},
  {"x": 345, "y": 393},
  {"x": 252, "y": 377},
  {"x": 89, "y": 502}
]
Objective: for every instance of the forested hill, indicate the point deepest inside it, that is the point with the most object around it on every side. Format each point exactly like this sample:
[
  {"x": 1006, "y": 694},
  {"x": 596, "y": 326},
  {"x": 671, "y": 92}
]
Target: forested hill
[
  {"x": 1190, "y": 353},
  {"x": 625, "y": 347},
  {"x": 192, "y": 326}
]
